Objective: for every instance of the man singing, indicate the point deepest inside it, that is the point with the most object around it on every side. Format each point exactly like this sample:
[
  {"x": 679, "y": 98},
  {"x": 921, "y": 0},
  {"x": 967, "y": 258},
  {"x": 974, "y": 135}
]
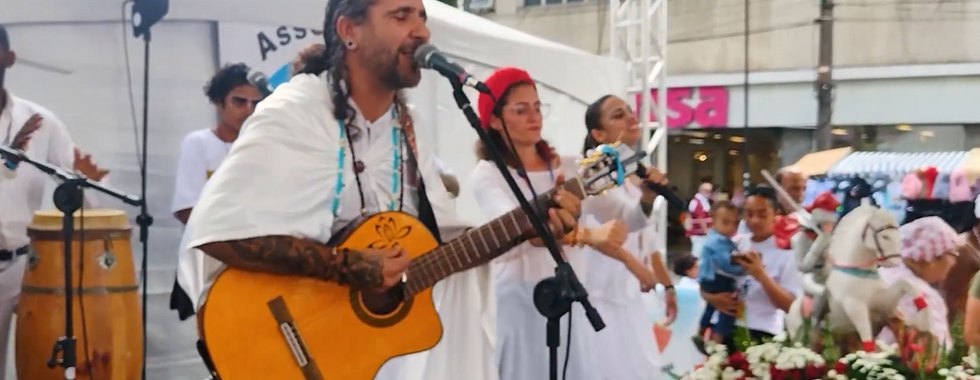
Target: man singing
[
  {"x": 333, "y": 144},
  {"x": 33, "y": 129},
  {"x": 203, "y": 150}
]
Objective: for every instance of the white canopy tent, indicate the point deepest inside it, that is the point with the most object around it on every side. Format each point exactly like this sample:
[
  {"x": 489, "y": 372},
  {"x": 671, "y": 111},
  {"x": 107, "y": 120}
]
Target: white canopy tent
[{"x": 83, "y": 49}]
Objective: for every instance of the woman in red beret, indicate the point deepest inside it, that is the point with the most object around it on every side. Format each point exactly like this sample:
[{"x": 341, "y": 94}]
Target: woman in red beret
[{"x": 519, "y": 113}]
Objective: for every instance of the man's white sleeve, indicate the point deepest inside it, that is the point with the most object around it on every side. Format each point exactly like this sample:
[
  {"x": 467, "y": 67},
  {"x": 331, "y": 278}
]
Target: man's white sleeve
[{"x": 192, "y": 174}]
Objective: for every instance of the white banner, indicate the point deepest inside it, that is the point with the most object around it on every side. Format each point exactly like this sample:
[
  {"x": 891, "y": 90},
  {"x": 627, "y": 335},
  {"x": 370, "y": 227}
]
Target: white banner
[{"x": 269, "y": 49}]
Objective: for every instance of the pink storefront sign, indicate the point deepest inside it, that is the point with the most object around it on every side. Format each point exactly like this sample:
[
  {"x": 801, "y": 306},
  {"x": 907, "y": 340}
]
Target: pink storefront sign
[{"x": 692, "y": 107}]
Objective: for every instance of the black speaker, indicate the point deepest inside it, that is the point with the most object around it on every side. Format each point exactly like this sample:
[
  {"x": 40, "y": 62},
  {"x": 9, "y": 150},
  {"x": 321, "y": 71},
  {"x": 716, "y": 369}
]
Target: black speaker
[{"x": 146, "y": 14}]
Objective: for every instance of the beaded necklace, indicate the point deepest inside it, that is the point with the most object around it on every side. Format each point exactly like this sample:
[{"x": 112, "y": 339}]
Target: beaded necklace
[{"x": 397, "y": 165}]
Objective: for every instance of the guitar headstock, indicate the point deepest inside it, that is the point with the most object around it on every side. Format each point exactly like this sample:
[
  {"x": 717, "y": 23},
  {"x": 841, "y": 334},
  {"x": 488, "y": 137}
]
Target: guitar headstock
[{"x": 607, "y": 166}]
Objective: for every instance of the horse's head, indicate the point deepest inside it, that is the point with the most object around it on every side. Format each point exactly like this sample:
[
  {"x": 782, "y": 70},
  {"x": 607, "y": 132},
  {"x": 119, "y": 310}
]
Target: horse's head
[{"x": 869, "y": 235}]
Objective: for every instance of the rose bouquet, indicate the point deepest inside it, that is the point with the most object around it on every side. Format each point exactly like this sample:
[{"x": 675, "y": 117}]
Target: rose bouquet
[
  {"x": 775, "y": 360},
  {"x": 780, "y": 359}
]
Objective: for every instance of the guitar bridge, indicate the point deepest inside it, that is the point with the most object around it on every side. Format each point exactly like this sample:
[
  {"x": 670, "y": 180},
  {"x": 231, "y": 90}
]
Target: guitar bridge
[
  {"x": 294, "y": 340},
  {"x": 295, "y": 343}
]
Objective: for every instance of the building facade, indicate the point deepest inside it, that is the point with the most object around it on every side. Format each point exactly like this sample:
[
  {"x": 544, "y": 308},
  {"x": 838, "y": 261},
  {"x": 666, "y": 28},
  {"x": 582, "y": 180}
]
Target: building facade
[
  {"x": 914, "y": 108},
  {"x": 904, "y": 81}
]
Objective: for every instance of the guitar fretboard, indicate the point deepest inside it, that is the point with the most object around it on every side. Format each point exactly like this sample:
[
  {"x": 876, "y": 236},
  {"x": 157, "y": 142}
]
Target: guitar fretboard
[{"x": 480, "y": 245}]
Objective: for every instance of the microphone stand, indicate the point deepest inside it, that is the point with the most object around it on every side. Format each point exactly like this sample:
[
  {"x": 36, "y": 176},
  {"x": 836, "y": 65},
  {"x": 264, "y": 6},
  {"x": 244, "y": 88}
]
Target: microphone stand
[
  {"x": 144, "y": 220},
  {"x": 553, "y": 296},
  {"x": 68, "y": 198}
]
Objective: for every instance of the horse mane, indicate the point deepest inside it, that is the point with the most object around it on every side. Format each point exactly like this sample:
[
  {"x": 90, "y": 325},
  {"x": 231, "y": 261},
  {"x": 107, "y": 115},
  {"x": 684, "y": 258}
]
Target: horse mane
[{"x": 849, "y": 232}]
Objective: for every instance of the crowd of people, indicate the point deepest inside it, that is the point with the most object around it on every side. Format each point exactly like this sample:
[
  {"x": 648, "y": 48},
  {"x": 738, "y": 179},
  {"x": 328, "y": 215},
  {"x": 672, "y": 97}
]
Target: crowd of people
[{"x": 936, "y": 259}]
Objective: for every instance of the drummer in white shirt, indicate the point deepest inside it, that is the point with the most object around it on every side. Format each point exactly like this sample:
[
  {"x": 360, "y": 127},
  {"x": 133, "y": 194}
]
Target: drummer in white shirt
[
  {"x": 773, "y": 280},
  {"x": 35, "y": 130},
  {"x": 203, "y": 150}
]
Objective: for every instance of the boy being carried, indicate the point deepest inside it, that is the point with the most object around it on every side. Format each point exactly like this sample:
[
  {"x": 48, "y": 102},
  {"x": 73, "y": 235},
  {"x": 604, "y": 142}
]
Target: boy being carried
[{"x": 716, "y": 272}]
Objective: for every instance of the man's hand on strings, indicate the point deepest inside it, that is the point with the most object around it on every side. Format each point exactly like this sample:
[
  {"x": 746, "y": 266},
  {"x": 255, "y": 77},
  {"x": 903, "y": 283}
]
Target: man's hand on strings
[
  {"x": 563, "y": 217},
  {"x": 376, "y": 269},
  {"x": 86, "y": 165},
  {"x": 23, "y": 137}
]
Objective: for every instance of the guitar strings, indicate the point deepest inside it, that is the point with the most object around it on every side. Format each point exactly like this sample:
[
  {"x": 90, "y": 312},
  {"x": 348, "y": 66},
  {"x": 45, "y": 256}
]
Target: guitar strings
[{"x": 430, "y": 262}]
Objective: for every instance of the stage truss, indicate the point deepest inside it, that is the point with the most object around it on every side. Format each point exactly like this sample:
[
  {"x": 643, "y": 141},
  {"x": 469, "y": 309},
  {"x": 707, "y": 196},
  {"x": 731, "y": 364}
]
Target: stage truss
[{"x": 638, "y": 36}]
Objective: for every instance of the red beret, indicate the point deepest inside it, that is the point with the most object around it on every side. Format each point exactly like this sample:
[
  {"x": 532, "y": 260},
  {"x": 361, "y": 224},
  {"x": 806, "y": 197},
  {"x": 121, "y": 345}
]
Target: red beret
[{"x": 498, "y": 82}]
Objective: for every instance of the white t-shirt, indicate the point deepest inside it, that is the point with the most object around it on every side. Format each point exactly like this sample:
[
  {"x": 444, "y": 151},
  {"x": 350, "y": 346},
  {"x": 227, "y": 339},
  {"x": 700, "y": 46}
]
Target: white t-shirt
[
  {"x": 201, "y": 153},
  {"x": 780, "y": 264}
]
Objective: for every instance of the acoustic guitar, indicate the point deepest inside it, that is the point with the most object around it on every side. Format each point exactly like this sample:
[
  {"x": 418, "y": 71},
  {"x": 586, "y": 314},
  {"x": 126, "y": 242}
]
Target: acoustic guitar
[{"x": 260, "y": 326}]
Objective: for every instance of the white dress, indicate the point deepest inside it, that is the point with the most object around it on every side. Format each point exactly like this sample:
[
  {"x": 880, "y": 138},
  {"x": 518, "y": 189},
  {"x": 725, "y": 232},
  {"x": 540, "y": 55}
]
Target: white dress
[
  {"x": 625, "y": 349},
  {"x": 521, "y": 347}
]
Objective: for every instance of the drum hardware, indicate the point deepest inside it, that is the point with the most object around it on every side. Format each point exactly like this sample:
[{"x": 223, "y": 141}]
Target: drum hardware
[
  {"x": 107, "y": 259},
  {"x": 32, "y": 259},
  {"x": 68, "y": 198}
]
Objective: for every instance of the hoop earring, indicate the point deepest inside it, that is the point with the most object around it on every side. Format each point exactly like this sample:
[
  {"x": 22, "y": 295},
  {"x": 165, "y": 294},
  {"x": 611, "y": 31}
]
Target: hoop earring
[{"x": 350, "y": 45}]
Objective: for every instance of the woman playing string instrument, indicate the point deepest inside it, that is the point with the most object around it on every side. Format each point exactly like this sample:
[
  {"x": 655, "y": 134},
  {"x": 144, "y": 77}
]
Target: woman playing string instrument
[{"x": 518, "y": 112}]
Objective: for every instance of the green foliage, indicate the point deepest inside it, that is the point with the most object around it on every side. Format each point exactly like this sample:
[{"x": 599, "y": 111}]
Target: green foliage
[{"x": 742, "y": 339}]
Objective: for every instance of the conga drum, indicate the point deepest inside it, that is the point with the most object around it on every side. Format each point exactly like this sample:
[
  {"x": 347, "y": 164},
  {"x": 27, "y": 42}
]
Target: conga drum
[{"x": 106, "y": 303}]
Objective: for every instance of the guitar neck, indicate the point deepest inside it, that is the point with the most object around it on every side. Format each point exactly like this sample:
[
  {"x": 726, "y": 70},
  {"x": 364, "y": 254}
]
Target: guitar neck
[{"x": 480, "y": 245}]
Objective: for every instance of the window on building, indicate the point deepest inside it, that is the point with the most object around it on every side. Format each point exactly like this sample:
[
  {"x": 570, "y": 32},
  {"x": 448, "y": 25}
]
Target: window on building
[
  {"x": 536, "y": 3},
  {"x": 913, "y": 138}
]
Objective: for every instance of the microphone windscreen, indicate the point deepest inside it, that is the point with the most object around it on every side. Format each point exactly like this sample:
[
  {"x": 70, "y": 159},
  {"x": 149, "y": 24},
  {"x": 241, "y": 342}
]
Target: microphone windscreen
[
  {"x": 260, "y": 82},
  {"x": 423, "y": 53}
]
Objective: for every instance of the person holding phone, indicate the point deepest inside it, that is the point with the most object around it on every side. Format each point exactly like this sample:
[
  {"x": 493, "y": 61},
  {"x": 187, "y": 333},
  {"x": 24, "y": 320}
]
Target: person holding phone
[{"x": 773, "y": 281}]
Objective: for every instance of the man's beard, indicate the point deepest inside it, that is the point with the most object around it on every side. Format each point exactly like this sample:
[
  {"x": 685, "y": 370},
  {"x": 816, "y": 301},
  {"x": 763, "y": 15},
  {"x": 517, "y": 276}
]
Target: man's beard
[{"x": 387, "y": 66}]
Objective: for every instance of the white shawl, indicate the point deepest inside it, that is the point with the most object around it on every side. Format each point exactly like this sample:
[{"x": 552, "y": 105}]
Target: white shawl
[{"x": 279, "y": 179}]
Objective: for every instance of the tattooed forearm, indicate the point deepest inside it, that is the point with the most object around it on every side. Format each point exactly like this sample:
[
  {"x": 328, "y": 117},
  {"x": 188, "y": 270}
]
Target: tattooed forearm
[
  {"x": 278, "y": 255},
  {"x": 300, "y": 257},
  {"x": 363, "y": 271}
]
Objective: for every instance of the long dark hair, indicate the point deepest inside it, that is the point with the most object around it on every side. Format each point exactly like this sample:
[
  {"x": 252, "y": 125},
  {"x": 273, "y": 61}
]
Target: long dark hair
[
  {"x": 593, "y": 121},
  {"x": 545, "y": 151},
  {"x": 332, "y": 59}
]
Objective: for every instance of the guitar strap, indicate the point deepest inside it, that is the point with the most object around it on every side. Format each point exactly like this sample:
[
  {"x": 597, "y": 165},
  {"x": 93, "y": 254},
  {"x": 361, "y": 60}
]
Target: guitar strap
[{"x": 426, "y": 215}]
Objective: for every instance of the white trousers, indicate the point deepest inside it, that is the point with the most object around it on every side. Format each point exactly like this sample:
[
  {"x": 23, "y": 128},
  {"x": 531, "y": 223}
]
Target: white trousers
[
  {"x": 697, "y": 242},
  {"x": 11, "y": 279}
]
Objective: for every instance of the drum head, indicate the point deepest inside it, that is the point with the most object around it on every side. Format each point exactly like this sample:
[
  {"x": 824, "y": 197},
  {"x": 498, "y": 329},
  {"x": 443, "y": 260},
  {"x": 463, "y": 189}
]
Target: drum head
[{"x": 92, "y": 219}]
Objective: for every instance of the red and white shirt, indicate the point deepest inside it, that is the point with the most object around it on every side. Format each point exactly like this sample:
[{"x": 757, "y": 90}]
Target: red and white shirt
[{"x": 700, "y": 208}]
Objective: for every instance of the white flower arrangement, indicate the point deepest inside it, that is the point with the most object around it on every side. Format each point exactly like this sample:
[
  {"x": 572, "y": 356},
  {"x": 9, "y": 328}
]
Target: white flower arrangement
[
  {"x": 780, "y": 359},
  {"x": 876, "y": 365}
]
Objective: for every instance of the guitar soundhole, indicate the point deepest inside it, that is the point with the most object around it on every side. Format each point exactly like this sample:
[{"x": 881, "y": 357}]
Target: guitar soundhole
[{"x": 384, "y": 303}]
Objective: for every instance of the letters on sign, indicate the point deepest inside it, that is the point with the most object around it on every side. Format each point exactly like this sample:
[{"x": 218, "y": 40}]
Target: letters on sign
[{"x": 692, "y": 107}]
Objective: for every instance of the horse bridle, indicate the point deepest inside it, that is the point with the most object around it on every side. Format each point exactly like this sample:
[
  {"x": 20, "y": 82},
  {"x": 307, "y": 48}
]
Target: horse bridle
[{"x": 880, "y": 254}]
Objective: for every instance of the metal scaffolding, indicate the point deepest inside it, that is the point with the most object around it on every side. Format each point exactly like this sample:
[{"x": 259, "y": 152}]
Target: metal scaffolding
[{"x": 638, "y": 35}]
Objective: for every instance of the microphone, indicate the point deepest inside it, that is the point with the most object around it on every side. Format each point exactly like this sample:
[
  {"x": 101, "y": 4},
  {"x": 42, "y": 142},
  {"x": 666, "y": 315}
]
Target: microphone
[
  {"x": 662, "y": 190},
  {"x": 429, "y": 57},
  {"x": 261, "y": 83}
]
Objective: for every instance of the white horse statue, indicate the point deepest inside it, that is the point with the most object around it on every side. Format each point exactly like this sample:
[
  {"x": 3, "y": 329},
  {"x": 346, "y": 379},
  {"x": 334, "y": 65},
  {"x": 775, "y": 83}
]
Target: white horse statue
[{"x": 864, "y": 239}]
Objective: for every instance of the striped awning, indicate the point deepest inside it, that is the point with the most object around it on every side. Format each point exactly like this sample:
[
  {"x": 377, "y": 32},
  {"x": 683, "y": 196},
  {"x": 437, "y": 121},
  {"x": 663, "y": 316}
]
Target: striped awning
[
  {"x": 817, "y": 163},
  {"x": 972, "y": 165},
  {"x": 896, "y": 164}
]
